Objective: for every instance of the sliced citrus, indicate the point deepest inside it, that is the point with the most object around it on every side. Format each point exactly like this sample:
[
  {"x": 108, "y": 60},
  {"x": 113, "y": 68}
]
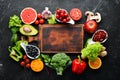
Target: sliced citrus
[
  {"x": 95, "y": 64},
  {"x": 37, "y": 65},
  {"x": 28, "y": 15}
]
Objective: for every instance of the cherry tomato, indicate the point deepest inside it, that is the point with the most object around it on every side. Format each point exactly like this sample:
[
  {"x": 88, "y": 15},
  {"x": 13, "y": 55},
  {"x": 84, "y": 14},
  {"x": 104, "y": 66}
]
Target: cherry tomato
[
  {"x": 27, "y": 60},
  {"x": 39, "y": 15},
  {"x": 22, "y": 63},
  {"x": 64, "y": 20},
  {"x": 25, "y": 57},
  {"x": 58, "y": 11},
  {"x": 68, "y": 18},
  {"x": 36, "y": 22},
  {"x": 41, "y": 21},
  {"x": 66, "y": 14},
  {"x": 28, "y": 65},
  {"x": 57, "y": 16},
  {"x": 62, "y": 14}
]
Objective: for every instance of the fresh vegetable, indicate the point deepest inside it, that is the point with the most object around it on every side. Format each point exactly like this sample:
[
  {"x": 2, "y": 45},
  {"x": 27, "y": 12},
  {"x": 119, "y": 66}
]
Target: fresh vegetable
[
  {"x": 90, "y": 26},
  {"x": 14, "y": 24},
  {"x": 89, "y": 41},
  {"x": 62, "y": 15},
  {"x": 28, "y": 30},
  {"x": 78, "y": 66},
  {"x": 76, "y": 14},
  {"x": 41, "y": 21},
  {"x": 28, "y": 65},
  {"x": 15, "y": 51},
  {"x": 51, "y": 20},
  {"x": 28, "y": 15},
  {"x": 103, "y": 52},
  {"x": 46, "y": 13},
  {"x": 15, "y": 21},
  {"x": 96, "y": 64},
  {"x": 39, "y": 16},
  {"x": 22, "y": 63},
  {"x": 36, "y": 22},
  {"x": 58, "y": 62},
  {"x": 91, "y": 51},
  {"x": 37, "y": 65}
]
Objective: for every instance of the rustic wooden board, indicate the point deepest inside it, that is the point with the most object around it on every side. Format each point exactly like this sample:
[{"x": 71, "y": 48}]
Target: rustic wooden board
[{"x": 60, "y": 38}]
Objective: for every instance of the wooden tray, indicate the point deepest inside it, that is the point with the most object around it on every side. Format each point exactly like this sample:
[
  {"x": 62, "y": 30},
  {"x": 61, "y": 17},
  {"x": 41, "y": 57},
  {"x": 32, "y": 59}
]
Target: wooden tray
[{"x": 60, "y": 38}]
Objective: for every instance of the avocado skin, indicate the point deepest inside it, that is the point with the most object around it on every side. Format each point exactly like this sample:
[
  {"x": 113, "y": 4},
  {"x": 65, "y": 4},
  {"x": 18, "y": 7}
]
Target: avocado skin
[{"x": 32, "y": 32}]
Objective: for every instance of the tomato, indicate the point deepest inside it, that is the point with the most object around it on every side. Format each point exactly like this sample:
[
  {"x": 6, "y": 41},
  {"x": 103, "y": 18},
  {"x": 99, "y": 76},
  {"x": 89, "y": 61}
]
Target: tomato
[
  {"x": 39, "y": 15},
  {"x": 36, "y": 22},
  {"x": 64, "y": 20},
  {"x": 22, "y": 63},
  {"x": 57, "y": 16},
  {"x": 41, "y": 21},
  {"x": 28, "y": 65},
  {"x": 76, "y": 14},
  {"x": 66, "y": 14},
  {"x": 90, "y": 26},
  {"x": 25, "y": 57},
  {"x": 68, "y": 18},
  {"x": 27, "y": 60}
]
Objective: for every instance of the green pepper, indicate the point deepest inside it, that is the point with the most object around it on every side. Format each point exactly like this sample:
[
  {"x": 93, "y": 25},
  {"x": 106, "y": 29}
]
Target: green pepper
[{"x": 15, "y": 54}]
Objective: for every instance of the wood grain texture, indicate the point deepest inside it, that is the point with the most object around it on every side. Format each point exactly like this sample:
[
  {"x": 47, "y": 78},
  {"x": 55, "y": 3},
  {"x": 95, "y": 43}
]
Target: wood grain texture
[{"x": 60, "y": 38}]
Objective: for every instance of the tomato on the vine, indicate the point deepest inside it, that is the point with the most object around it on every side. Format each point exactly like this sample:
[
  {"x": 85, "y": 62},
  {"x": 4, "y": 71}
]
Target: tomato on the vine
[
  {"x": 39, "y": 15},
  {"x": 41, "y": 21},
  {"x": 36, "y": 22}
]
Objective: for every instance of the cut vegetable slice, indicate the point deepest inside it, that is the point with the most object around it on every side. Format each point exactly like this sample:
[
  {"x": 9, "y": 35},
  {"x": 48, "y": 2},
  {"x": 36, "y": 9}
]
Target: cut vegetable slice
[
  {"x": 76, "y": 14},
  {"x": 37, "y": 65},
  {"x": 28, "y": 15},
  {"x": 96, "y": 64}
]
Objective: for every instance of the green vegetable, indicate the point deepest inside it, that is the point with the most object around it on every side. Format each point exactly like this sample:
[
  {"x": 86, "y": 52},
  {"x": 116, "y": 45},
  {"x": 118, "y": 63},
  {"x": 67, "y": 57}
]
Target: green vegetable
[
  {"x": 52, "y": 20},
  {"x": 15, "y": 51},
  {"x": 89, "y": 41},
  {"x": 14, "y": 24},
  {"x": 59, "y": 62},
  {"x": 91, "y": 51},
  {"x": 15, "y": 21}
]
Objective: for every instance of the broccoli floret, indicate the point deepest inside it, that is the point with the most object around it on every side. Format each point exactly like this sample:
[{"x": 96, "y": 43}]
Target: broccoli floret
[{"x": 59, "y": 62}]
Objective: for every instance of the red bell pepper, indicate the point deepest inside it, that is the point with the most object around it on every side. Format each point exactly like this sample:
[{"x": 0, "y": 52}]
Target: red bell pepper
[{"x": 78, "y": 66}]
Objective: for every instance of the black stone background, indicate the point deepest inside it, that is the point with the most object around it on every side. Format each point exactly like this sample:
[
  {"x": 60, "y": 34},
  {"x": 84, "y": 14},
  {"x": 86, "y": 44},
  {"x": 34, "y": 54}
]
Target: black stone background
[{"x": 110, "y": 11}]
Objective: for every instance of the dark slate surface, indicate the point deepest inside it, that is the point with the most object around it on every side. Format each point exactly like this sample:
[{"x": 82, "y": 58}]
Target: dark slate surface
[{"x": 110, "y": 11}]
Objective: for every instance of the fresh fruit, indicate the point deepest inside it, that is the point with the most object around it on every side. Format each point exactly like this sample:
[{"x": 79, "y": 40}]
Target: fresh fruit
[
  {"x": 90, "y": 26},
  {"x": 28, "y": 15},
  {"x": 95, "y": 64},
  {"x": 28, "y": 65},
  {"x": 37, "y": 65},
  {"x": 75, "y": 14},
  {"x": 22, "y": 63},
  {"x": 39, "y": 15},
  {"x": 41, "y": 21},
  {"x": 62, "y": 15},
  {"x": 78, "y": 66},
  {"x": 25, "y": 57},
  {"x": 27, "y": 60},
  {"x": 28, "y": 30},
  {"x": 36, "y": 22}
]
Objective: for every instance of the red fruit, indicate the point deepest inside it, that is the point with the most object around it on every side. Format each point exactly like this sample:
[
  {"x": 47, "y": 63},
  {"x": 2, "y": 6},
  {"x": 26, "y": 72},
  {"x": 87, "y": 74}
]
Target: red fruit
[
  {"x": 64, "y": 20},
  {"x": 36, "y": 22},
  {"x": 57, "y": 16},
  {"x": 41, "y": 21},
  {"x": 58, "y": 11},
  {"x": 68, "y": 18},
  {"x": 90, "y": 26},
  {"x": 78, "y": 66},
  {"x": 39, "y": 15},
  {"x": 76, "y": 14},
  {"x": 27, "y": 60},
  {"x": 22, "y": 63},
  {"x": 25, "y": 57},
  {"x": 66, "y": 14},
  {"x": 28, "y": 15},
  {"x": 62, "y": 14},
  {"x": 28, "y": 65}
]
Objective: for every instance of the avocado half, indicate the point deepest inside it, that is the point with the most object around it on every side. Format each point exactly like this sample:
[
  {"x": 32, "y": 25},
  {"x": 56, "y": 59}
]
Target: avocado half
[{"x": 28, "y": 30}]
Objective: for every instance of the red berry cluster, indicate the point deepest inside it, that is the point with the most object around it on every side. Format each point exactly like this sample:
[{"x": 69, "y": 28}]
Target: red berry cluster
[
  {"x": 25, "y": 61},
  {"x": 62, "y": 15},
  {"x": 39, "y": 20}
]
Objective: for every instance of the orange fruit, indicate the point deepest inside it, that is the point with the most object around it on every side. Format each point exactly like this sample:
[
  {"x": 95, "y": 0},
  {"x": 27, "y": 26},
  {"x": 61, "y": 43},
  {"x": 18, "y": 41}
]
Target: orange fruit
[
  {"x": 37, "y": 65},
  {"x": 95, "y": 64}
]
